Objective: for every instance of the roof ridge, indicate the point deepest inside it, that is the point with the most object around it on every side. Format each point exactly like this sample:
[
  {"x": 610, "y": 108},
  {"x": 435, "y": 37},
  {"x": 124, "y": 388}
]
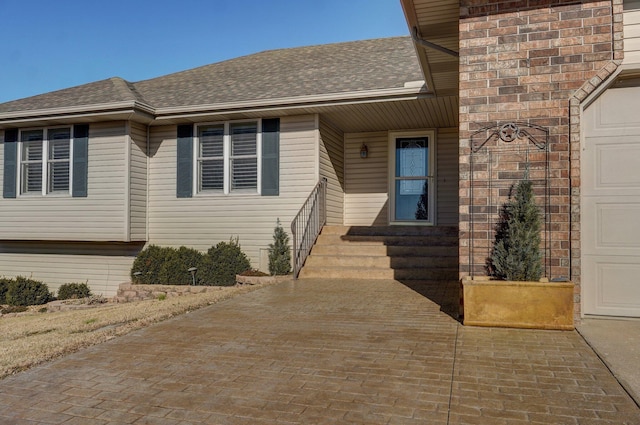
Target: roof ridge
[{"x": 126, "y": 89}]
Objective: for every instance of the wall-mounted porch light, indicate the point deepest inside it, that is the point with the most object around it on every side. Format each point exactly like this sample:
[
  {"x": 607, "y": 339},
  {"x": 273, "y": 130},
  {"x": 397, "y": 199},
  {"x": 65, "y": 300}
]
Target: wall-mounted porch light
[{"x": 364, "y": 151}]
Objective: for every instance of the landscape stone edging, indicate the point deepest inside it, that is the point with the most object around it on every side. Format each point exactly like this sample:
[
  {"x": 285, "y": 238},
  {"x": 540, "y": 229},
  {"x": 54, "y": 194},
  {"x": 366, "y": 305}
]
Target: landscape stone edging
[
  {"x": 256, "y": 280},
  {"x": 128, "y": 292}
]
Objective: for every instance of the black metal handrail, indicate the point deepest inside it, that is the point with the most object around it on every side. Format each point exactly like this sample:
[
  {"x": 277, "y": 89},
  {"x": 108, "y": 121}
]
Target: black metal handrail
[{"x": 307, "y": 224}]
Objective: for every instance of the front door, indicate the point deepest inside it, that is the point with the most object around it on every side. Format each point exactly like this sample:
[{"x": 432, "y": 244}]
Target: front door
[{"x": 411, "y": 179}]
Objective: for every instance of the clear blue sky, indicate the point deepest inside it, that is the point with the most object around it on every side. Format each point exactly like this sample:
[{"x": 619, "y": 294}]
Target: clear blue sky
[{"x": 47, "y": 45}]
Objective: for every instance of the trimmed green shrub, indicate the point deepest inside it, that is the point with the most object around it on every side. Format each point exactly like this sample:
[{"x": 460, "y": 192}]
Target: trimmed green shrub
[
  {"x": 165, "y": 265},
  {"x": 146, "y": 267},
  {"x": 516, "y": 251},
  {"x": 73, "y": 290},
  {"x": 23, "y": 291},
  {"x": 279, "y": 253},
  {"x": 170, "y": 266},
  {"x": 223, "y": 262},
  {"x": 175, "y": 269},
  {"x": 4, "y": 286}
]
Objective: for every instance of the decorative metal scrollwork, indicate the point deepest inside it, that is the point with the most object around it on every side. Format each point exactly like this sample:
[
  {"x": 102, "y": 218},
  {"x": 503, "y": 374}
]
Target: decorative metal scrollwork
[{"x": 510, "y": 132}]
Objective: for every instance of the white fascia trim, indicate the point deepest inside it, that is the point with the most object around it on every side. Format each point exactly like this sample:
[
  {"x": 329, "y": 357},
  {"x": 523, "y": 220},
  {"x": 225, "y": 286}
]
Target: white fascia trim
[
  {"x": 76, "y": 111},
  {"x": 402, "y": 93}
]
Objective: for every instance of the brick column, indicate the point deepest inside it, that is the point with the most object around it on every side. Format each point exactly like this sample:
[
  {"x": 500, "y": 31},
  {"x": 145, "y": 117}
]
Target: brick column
[{"x": 534, "y": 62}]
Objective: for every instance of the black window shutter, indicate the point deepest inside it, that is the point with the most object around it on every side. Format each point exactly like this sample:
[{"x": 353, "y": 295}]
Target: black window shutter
[
  {"x": 184, "y": 180},
  {"x": 271, "y": 157},
  {"x": 10, "y": 163},
  {"x": 80, "y": 161}
]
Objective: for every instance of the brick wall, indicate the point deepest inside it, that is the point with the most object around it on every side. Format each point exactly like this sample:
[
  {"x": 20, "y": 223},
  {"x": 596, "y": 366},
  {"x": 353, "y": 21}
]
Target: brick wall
[{"x": 534, "y": 62}]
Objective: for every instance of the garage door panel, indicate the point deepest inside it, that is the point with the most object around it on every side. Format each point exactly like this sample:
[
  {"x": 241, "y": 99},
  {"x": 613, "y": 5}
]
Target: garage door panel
[
  {"x": 610, "y": 206},
  {"x": 611, "y": 228},
  {"x": 614, "y": 110},
  {"x": 611, "y": 286},
  {"x": 619, "y": 166}
]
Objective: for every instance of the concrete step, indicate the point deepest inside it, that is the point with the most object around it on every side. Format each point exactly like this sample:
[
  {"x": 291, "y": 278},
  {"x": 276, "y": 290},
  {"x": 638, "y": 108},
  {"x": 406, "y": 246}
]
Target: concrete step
[
  {"x": 379, "y": 249},
  {"x": 421, "y": 274},
  {"x": 379, "y": 261},
  {"x": 345, "y": 273},
  {"x": 391, "y": 230},
  {"x": 384, "y": 252},
  {"x": 332, "y": 239}
]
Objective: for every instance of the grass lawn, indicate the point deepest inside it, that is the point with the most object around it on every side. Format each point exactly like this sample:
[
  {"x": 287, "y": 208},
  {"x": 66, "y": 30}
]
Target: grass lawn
[{"x": 29, "y": 339}]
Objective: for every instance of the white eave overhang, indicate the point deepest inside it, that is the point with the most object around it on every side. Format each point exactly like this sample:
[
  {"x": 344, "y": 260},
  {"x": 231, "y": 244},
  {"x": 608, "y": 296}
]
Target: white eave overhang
[
  {"x": 411, "y": 91},
  {"x": 140, "y": 112},
  {"x": 129, "y": 110}
]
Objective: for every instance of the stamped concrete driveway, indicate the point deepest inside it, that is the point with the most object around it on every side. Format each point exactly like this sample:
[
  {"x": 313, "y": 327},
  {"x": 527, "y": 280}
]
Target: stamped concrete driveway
[{"x": 324, "y": 352}]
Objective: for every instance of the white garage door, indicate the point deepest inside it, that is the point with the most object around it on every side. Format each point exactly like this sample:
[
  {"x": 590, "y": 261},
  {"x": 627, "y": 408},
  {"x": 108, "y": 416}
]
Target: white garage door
[{"x": 610, "y": 209}]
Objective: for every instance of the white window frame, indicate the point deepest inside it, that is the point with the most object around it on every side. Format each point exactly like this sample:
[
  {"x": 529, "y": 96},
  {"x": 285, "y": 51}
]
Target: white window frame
[
  {"x": 45, "y": 162},
  {"x": 226, "y": 157}
]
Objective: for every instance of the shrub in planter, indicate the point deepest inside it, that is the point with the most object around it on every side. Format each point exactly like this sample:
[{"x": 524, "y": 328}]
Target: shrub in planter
[
  {"x": 223, "y": 262},
  {"x": 516, "y": 297},
  {"x": 516, "y": 251},
  {"x": 73, "y": 291},
  {"x": 23, "y": 291},
  {"x": 279, "y": 253}
]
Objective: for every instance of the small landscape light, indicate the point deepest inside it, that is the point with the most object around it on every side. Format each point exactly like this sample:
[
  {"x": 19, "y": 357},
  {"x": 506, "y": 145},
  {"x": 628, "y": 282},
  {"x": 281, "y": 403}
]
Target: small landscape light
[{"x": 193, "y": 271}]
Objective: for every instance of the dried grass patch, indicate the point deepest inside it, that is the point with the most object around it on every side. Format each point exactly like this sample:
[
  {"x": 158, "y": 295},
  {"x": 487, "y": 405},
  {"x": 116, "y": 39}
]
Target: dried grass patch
[{"x": 28, "y": 340}]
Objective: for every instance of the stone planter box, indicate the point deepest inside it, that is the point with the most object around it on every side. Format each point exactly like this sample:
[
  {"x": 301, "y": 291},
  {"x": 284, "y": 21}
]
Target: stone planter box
[{"x": 531, "y": 305}]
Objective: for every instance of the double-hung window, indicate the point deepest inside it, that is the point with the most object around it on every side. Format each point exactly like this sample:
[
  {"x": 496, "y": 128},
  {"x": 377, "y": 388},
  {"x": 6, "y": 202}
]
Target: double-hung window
[
  {"x": 45, "y": 159},
  {"x": 227, "y": 157}
]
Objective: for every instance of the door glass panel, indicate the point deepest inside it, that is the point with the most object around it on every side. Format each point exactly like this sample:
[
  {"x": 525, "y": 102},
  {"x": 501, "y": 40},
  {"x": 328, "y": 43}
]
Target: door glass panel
[{"x": 411, "y": 175}]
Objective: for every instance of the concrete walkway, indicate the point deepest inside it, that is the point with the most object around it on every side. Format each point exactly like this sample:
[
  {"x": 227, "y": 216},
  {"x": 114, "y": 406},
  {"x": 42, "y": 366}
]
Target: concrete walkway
[
  {"x": 617, "y": 342},
  {"x": 324, "y": 352}
]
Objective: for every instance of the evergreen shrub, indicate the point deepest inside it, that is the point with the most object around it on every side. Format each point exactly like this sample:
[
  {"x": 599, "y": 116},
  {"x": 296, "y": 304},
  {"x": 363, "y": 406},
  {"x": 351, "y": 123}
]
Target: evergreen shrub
[
  {"x": 4, "y": 286},
  {"x": 170, "y": 266},
  {"x": 73, "y": 291},
  {"x": 23, "y": 292},
  {"x": 146, "y": 267},
  {"x": 175, "y": 269},
  {"x": 279, "y": 253},
  {"x": 165, "y": 265},
  {"x": 516, "y": 251},
  {"x": 223, "y": 262}
]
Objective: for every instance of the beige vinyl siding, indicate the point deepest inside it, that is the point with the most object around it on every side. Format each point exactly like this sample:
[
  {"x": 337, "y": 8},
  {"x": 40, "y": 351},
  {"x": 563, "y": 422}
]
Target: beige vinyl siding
[
  {"x": 138, "y": 182},
  {"x": 632, "y": 31},
  {"x": 103, "y": 266},
  {"x": 98, "y": 217},
  {"x": 447, "y": 174},
  {"x": 332, "y": 168},
  {"x": 366, "y": 180},
  {"x": 206, "y": 219}
]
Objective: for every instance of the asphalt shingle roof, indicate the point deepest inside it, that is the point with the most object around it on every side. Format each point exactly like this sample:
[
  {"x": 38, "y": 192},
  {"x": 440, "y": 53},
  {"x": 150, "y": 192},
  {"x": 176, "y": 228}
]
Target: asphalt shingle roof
[
  {"x": 274, "y": 74},
  {"x": 105, "y": 91}
]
